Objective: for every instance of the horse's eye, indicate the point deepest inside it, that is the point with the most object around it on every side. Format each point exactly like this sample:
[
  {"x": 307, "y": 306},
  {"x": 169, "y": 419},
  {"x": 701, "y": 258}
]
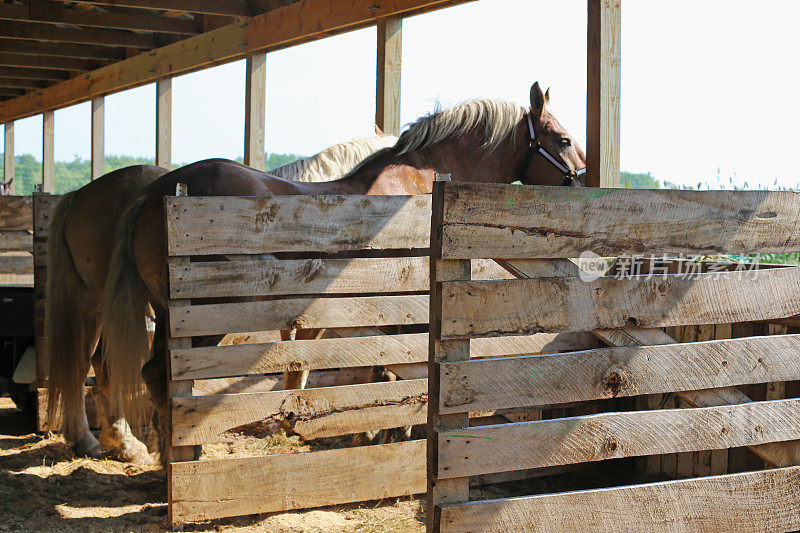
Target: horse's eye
[{"x": 565, "y": 142}]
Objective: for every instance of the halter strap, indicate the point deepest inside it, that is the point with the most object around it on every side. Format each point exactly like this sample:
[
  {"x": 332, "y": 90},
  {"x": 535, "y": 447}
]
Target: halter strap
[{"x": 535, "y": 146}]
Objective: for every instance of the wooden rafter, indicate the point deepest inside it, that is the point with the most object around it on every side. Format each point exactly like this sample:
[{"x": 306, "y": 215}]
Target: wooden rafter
[
  {"x": 49, "y": 13},
  {"x": 21, "y": 46},
  {"x": 48, "y": 32},
  {"x": 4, "y": 91},
  {"x": 231, "y": 8},
  {"x": 35, "y": 73},
  {"x": 294, "y": 24},
  {"x": 22, "y": 83},
  {"x": 8, "y": 59}
]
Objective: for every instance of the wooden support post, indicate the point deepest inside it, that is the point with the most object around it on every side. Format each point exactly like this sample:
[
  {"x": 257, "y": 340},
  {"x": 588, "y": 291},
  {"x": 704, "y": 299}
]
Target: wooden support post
[
  {"x": 387, "y": 98},
  {"x": 164, "y": 123},
  {"x": 48, "y": 155},
  {"x": 98, "y": 137},
  {"x": 455, "y": 490},
  {"x": 254, "y": 102},
  {"x": 8, "y": 155},
  {"x": 177, "y": 387},
  {"x": 603, "y": 93}
]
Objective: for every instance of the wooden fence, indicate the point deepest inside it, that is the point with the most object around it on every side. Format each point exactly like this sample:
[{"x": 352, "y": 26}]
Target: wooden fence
[
  {"x": 355, "y": 265},
  {"x": 16, "y": 241},
  {"x": 540, "y": 228}
]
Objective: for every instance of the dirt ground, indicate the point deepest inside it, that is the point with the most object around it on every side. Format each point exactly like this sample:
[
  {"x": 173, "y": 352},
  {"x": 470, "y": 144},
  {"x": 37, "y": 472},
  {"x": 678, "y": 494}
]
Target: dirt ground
[{"x": 43, "y": 487}]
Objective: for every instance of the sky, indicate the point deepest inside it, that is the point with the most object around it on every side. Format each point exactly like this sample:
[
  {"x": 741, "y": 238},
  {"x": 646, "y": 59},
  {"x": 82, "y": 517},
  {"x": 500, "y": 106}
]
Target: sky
[{"x": 709, "y": 87}]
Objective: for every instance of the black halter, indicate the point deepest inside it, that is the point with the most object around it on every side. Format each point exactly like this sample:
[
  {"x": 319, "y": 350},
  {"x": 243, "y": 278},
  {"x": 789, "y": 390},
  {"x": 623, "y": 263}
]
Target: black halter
[{"x": 535, "y": 147}]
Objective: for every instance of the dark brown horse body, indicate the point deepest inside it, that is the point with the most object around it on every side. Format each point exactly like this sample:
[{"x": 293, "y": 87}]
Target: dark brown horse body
[
  {"x": 480, "y": 141},
  {"x": 79, "y": 251}
]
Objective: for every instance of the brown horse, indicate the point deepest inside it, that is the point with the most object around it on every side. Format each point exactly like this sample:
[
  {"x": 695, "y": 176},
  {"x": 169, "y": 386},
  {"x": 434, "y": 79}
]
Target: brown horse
[
  {"x": 5, "y": 187},
  {"x": 79, "y": 250},
  {"x": 482, "y": 141}
]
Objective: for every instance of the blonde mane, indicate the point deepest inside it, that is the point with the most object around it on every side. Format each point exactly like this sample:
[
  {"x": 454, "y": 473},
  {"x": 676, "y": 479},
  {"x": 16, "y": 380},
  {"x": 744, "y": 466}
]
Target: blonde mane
[
  {"x": 334, "y": 162},
  {"x": 496, "y": 119}
]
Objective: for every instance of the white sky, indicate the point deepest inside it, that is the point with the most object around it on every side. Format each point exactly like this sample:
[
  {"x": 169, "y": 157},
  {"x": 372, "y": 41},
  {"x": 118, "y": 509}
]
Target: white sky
[{"x": 706, "y": 84}]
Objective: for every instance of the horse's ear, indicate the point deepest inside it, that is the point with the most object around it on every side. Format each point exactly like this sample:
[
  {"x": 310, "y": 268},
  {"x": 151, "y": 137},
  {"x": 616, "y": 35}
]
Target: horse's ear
[
  {"x": 379, "y": 131},
  {"x": 538, "y": 100},
  {"x": 547, "y": 96}
]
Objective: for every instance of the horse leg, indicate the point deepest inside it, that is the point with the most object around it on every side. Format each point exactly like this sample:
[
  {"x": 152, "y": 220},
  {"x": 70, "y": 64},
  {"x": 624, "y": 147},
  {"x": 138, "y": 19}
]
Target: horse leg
[
  {"x": 75, "y": 424},
  {"x": 154, "y": 374},
  {"x": 115, "y": 434}
]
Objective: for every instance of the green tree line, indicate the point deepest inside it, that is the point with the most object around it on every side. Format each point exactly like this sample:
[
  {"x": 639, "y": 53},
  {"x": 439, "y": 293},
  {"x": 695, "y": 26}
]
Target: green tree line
[{"x": 70, "y": 175}]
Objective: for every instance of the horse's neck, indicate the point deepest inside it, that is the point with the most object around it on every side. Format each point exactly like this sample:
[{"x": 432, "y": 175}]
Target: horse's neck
[{"x": 413, "y": 173}]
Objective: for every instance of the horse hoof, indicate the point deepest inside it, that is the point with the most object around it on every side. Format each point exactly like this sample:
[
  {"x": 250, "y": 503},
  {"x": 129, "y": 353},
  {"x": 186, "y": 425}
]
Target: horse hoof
[
  {"x": 87, "y": 447},
  {"x": 134, "y": 451}
]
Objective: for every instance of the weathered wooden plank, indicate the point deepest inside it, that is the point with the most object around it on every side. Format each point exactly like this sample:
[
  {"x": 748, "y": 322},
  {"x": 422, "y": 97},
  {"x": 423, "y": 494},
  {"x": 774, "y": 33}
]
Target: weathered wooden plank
[
  {"x": 518, "y": 221},
  {"x": 16, "y": 263},
  {"x": 255, "y": 225},
  {"x": 48, "y": 151},
  {"x": 312, "y": 413},
  {"x": 215, "y": 319},
  {"x": 9, "y": 161},
  {"x": 475, "y": 308},
  {"x": 387, "y": 97},
  {"x": 301, "y": 276},
  {"x": 603, "y": 83},
  {"x": 283, "y": 356},
  {"x": 202, "y": 490},
  {"x": 621, "y": 371},
  {"x": 255, "y": 95},
  {"x": 522, "y": 445},
  {"x": 16, "y": 280},
  {"x": 14, "y": 241},
  {"x": 16, "y": 213},
  {"x": 751, "y": 502},
  {"x": 43, "y": 207},
  {"x": 164, "y": 123},
  {"x": 531, "y": 344},
  {"x": 98, "y": 137}
]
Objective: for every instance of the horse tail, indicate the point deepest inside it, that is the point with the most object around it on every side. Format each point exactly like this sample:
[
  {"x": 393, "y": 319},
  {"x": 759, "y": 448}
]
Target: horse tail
[
  {"x": 126, "y": 344},
  {"x": 66, "y": 324}
]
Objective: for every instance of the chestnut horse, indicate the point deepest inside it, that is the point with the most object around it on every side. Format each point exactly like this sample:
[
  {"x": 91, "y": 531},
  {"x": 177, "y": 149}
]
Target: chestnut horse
[
  {"x": 482, "y": 141},
  {"x": 82, "y": 234}
]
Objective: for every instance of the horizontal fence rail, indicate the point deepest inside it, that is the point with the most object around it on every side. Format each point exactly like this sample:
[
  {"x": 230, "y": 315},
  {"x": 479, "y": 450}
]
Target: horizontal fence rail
[{"x": 536, "y": 230}]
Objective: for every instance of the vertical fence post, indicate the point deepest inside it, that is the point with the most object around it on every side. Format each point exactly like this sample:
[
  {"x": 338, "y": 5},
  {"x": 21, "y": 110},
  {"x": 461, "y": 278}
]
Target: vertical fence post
[
  {"x": 254, "y": 103},
  {"x": 8, "y": 156},
  {"x": 48, "y": 154},
  {"x": 98, "y": 137},
  {"x": 387, "y": 98},
  {"x": 603, "y": 92},
  {"x": 164, "y": 123},
  {"x": 455, "y": 490}
]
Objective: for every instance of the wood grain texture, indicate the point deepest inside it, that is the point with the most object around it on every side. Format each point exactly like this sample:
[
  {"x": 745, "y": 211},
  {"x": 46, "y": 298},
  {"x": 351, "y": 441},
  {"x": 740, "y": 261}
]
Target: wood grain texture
[
  {"x": 255, "y": 96},
  {"x": 616, "y": 372},
  {"x": 98, "y": 137},
  {"x": 14, "y": 241},
  {"x": 603, "y": 84},
  {"x": 164, "y": 123},
  {"x": 8, "y": 154},
  {"x": 256, "y": 225},
  {"x": 16, "y": 213},
  {"x": 518, "y": 221},
  {"x": 48, "y": 151},
  {"x": 44, "y": 205},
  {"x": 389, "y": 68},
  {"x": 598, "y": 437},
  {"x": 203, "y": 490},
  {"x": 266, "y": 277},
  {"x": 751, "y": 502},
  {"x": 312, "y": 413},
  {"x": 503, "y": 307},
  {"x": 16, "y": 263},
  {"x": 219, "y": 361},
  {"x": 215, "y": 319}
]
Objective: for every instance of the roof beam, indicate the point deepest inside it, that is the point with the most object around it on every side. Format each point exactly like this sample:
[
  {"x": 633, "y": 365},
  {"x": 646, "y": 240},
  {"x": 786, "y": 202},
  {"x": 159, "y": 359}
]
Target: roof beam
[
  {"x": 46, "y": 32},
  {"x": 49, "y": 13},
  {"x": 35, "y": 73},
  {"x": 11, "y": 92},
  {"x": 36, "y": 48},
  {"x": 22, "y": 83},
  {"x": 301, "y": 22},
  {"x": 8, "y": 59},
  {"x": 231, "y": 8}
]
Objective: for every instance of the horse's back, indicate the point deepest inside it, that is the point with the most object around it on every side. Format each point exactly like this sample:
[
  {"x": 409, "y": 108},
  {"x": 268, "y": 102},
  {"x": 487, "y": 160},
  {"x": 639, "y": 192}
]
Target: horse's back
[{"x": 92, "y": 220}]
